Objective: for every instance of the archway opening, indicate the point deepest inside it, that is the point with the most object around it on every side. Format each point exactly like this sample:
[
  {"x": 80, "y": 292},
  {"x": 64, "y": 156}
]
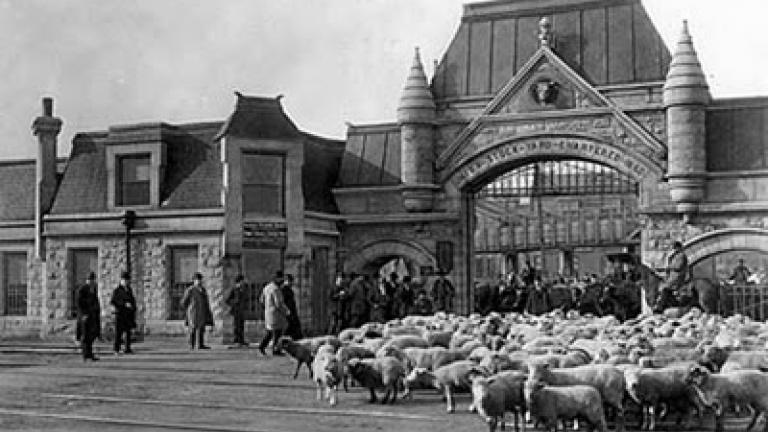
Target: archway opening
[
  {"x": 386, "y": 265},
  {"x": 563, "y": 215}
]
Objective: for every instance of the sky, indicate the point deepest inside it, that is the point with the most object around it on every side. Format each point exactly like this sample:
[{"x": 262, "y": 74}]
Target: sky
[{"x": 108, "y": 62}]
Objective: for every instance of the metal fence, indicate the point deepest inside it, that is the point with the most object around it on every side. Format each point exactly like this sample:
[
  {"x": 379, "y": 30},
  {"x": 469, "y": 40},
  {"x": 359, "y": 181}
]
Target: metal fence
[
  {"x": 750, "y": 300},
  {"x": 16, "y": 299}
]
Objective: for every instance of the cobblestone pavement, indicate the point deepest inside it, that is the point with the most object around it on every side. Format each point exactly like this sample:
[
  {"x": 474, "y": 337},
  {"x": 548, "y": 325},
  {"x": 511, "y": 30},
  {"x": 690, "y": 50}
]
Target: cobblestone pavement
[{"x": 166, "y": 387}]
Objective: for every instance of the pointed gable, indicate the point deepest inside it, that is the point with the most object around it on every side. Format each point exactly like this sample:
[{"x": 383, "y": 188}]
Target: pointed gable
[
  {"x": 605, "y": 41},
  {"x": 519, "y": 97}
]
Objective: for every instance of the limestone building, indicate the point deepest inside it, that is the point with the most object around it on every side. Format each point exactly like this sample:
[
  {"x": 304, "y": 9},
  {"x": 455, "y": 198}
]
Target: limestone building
[{"x": 551, "y": 130}]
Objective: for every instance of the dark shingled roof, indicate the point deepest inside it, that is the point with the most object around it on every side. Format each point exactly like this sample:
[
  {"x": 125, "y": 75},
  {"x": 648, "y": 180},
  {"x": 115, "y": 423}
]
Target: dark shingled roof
[
  {"x": 371, "y": 157},
  {"x": 259, "y": 117},
  {"x": 605, "y": 41},
  {"x": 17, "y": 190},
  {"x": 322, "y": 159},
  {"x": 192, "y": 171}
]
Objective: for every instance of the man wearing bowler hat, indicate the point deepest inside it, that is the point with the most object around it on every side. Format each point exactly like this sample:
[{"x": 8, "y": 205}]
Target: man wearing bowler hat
[
  {"x": 125, "y": 313},
  {"x": 195, "y": 302},
  {"x": 88, "y": 316}
]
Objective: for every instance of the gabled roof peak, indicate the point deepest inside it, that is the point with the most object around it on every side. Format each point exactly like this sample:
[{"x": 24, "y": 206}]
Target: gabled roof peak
[
  {"x": 686, "y": 83},
  {"x": 416, "y": 103}
]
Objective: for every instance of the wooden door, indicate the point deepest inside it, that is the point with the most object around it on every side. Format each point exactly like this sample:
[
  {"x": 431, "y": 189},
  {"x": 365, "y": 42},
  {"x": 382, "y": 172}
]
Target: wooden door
[
  {"x": 320, "y": 286},
  {"x": 84, "y": 261}
]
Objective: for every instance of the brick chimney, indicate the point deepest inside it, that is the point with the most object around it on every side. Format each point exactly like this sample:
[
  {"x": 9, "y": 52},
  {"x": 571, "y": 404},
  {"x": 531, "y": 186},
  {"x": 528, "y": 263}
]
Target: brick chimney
[{"x": 46, "y": 128}]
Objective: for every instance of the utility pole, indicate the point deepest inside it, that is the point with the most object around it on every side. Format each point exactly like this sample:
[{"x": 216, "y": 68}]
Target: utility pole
[{"x": 129, "y": 221}]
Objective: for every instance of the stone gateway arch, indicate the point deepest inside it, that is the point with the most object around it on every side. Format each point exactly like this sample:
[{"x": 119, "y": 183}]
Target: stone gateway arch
[{"x": 505, "y": 116}]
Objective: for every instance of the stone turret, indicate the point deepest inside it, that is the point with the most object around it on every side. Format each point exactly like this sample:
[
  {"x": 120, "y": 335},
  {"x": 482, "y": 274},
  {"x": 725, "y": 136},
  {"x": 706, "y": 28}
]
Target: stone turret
[
  {"x": 686, "y": 96},
  {"x": 416, "y": 116}
]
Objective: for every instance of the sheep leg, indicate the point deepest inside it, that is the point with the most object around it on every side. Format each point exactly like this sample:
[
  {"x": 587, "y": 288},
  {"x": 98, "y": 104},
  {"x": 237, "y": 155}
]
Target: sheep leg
[
  {"x": 492, "y": 423},
  {"x": 719, "y": 422},
  {"x": 755, "y": 415},
  {"x": 643, "y": 416},
  {"x": 651, "y": 417},
  {"x": 373, "y": 397},
  {"x": 332, "y": 395},
  {"x": 451, "y": 404},
  {"x": 296, "y": 374},
  {"x": 309, "y": 368},
  {"x": 345, "y": 381},
  {"x": 394, "y": 392},
  {"x": 576, "y": 424},
  {"x": 385, "y": 399},
  {"x": 619, "y": 417},
  {"x": 319, "y": 391}
]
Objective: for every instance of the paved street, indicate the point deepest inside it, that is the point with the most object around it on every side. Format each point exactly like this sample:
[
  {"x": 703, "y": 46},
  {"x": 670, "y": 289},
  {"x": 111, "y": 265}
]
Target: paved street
[{"x": 166, "y": 387}]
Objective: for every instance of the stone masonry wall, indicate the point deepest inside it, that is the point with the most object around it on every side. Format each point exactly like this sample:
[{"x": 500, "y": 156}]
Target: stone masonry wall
[
  {"x": 660, "y": 231},
  {"x": 151, "y": 261}
]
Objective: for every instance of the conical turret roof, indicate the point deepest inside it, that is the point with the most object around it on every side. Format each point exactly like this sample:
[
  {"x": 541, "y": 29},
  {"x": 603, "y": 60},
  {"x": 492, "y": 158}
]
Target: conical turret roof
[
  {"x": 686, "y": 83},
  {"x": 416, "y": 103}
]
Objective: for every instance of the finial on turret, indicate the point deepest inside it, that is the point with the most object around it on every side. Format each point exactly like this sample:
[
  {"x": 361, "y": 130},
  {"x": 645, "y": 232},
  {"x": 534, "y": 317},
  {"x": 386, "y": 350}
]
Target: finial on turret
[
  {"x": 546, "y": 38},
  {"x": 416, "y": 103},
  {"x": 686, "y": 82}
]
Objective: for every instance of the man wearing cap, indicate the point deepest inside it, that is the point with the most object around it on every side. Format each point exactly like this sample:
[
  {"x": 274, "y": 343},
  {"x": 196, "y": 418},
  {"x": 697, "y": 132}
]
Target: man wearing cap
[
  {"x": 195, "y": 302},
  {"x": 88, "y": 316},
  {"x": 236, "y": 300},
  {"x": 275, "y": 313},
  {"x": 125, "y": 313}
]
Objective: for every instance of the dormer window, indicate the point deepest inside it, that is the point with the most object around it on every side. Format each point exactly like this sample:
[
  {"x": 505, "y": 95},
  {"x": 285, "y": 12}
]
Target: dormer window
[
  {"x": 133, "y": 185},
  {"x": 135, "y": 172}
]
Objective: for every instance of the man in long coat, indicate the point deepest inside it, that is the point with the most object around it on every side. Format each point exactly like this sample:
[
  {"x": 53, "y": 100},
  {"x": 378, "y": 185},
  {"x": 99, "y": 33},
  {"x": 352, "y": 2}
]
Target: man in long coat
[
  {"x": 378, "y": 299},
  {"x": 125, "y": 313},
  {"x": 538, "y": 301},
  {"x": 289, "y": 298},
  {"x": 442, "y": 293},
  {"x": 195, "y": 302},
  {"x": 358, "y": 301},
  {"x": 339, "y": 315},
  {"x": 88, "y": 316},
  {"x": 236, "y": 300},
  {"x": 275, "y": 313},
  {"x": 677, "y": 273}
]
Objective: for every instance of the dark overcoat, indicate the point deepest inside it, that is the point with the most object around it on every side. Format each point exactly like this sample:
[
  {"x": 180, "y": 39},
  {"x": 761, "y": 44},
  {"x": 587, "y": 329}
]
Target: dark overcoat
[
  {"x": 88, "y": 311},
  {"x": 125, "y": 307}
]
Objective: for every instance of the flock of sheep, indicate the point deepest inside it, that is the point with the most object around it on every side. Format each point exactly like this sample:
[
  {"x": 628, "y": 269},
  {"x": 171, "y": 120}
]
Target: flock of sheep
[{"x": 555, "y": 368}]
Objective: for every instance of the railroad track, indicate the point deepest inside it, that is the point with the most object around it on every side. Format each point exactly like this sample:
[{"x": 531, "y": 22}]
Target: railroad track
[
  {"x": 139, "y": 424},
  {"x": 334, "y": 412}
]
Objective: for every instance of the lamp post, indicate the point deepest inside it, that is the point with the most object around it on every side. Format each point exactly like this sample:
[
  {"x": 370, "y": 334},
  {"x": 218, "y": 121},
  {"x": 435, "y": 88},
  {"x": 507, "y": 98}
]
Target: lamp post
[{"x": 129, "y": 221}]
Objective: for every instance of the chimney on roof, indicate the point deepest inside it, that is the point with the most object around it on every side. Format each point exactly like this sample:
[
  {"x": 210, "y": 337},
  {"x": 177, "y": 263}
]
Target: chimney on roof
[{"x": 46, "y": 128}]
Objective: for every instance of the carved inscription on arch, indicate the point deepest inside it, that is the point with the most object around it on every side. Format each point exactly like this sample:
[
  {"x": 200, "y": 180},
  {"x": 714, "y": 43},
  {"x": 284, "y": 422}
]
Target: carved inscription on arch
[{"x": 550, "y": 147}]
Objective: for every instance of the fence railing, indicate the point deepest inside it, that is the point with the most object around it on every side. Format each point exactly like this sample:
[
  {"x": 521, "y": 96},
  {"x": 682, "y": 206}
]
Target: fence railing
[{"x": 746, "y": 299}]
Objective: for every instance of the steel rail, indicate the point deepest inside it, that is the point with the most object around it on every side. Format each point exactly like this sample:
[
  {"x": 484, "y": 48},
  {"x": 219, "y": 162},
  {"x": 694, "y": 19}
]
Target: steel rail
[{"x": 266, "y": 408}]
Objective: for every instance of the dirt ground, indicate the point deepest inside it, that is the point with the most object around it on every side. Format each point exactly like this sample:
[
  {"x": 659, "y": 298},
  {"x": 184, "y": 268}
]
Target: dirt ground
[{"x": 166, "y": 387}]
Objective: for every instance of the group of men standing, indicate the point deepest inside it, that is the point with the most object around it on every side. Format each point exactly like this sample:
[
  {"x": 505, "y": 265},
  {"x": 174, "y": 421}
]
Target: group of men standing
[
  {"x": 357, "y": 298},
  {"x": 89, "y": 315}
]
